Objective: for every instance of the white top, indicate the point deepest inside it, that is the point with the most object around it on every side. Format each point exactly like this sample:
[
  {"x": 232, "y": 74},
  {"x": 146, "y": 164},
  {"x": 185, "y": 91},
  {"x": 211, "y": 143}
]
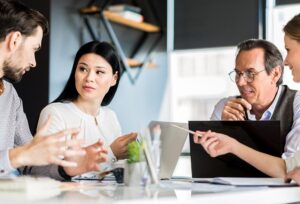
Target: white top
[
  {"x": 292, "y": 143},
  {"x": 68, "y": 115},
  {"x": 292, "y": 162}
]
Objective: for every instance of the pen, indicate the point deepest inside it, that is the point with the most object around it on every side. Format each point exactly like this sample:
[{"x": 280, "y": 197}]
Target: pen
[{"x": 187, "y": 130}]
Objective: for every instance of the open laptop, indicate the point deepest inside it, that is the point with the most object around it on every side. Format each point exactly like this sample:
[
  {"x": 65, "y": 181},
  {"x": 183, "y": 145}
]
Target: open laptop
[
  {"x": 263, "y": 136},
  {"x": 172, "y": 141}
]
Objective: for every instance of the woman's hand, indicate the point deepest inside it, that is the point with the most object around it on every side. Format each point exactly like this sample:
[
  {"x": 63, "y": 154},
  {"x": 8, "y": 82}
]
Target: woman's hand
[
  {"x": 119, "y": 145},
  {"x": 215, "y": 144},
  {"x": 293, "y": 175}
]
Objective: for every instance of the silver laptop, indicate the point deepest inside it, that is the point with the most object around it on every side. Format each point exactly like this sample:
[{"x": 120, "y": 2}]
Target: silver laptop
[{"x": 172, "y": 141}]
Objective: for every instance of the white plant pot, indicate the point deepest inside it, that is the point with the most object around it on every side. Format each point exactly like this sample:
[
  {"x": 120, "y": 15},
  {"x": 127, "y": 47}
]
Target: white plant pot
[{"x": 135, "y": 174}]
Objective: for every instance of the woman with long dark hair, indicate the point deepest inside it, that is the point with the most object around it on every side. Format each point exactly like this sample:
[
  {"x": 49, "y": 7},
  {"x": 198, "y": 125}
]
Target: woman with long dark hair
[{"x": 92, "y": 84}]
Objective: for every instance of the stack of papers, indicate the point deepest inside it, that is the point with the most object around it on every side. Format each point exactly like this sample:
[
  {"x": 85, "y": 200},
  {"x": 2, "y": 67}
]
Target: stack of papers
[
  {"x": 29, "y": 187},
  {"x": 127, "y": 11},
  {"x": 124, "y": 7}
]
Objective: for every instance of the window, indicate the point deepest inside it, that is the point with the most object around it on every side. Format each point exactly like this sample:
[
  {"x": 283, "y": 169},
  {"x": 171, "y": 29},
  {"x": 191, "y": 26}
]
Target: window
[
  {"x": 277, "y": 17},
  {"x": 199, "y": 79}
]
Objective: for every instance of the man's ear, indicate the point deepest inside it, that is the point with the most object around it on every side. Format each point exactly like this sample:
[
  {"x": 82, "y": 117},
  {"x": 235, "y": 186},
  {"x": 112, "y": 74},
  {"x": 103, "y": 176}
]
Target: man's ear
[
  {"x": 115, "y": 79},
  {"x": 276, "y": 74},
  {"x": 14, "y": 40}
]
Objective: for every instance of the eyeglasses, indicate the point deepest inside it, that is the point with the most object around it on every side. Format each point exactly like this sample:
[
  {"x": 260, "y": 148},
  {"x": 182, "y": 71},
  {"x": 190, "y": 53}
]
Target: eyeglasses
[{"x": 248, "y": 75}]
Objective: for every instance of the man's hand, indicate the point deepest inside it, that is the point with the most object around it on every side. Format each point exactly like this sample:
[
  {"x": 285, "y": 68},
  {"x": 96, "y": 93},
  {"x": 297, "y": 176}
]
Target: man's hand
[
  {"x": 95, "y": 154},
  {"x": 119, "y": 145},
  {"x": 235, "y": 109},
  {"x": 50, "y": 149}
]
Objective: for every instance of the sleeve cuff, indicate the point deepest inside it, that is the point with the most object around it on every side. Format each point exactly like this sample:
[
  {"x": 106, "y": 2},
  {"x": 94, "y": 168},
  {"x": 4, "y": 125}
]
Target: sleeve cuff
[
  {"x": 5, "y": 165},
  {"x": 63, "y": 174},
  {"x": 292, "y": 162},
  {"x": 110, "y": 156}
]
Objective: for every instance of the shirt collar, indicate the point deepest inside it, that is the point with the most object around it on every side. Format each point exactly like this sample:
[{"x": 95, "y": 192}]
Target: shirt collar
[{"x": 269, "y": 112}]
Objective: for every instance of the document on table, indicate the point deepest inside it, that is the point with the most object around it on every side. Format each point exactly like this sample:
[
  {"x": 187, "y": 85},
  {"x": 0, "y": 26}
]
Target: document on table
[
  {"x": 29, "y": 187},
  {"x": 246, "y": 181},
  {"x": 26, "y": 183},
  {"x": 195, "y": 187}
]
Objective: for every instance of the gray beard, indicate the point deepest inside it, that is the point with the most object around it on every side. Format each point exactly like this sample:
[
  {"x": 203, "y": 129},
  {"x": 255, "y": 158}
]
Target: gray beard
[{"x": 10, "y": 74}]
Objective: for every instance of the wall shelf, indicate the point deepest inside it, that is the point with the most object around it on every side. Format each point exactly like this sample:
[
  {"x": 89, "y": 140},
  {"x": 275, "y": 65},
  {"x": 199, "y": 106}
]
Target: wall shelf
[
  {"x": 108, "y": 17},
  {"x": 146, "y": 27},
  {"x": 133, "y": 63}
]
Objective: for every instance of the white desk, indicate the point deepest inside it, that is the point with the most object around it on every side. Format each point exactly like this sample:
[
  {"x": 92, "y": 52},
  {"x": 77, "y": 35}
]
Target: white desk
[{"x": 175, "y": 192}]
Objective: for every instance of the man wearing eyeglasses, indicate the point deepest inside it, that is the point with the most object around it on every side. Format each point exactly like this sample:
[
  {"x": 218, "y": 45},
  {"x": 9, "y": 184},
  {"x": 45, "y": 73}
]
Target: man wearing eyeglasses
[{"x": 258, "y": 75}]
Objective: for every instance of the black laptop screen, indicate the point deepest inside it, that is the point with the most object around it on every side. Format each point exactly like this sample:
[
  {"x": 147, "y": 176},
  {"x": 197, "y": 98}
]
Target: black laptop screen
[{"x": 263, "y": 136}]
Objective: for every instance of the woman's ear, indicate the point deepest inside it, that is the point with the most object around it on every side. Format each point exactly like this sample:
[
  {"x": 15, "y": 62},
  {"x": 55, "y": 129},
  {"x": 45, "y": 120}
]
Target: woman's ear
[
  {"x": 115, "y": 79},
  {"x": 14, "y": 40}
]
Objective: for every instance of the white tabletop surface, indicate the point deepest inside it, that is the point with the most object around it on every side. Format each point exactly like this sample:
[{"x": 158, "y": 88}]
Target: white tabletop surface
[{"x": 165, "y": 192}]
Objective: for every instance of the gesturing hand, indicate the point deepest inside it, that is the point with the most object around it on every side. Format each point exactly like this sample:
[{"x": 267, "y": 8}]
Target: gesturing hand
[
  {"x": 95, "y": 154},
  {"x": 119, "y": 145},
  {"x": 235, "y": 109},
  {"x": 215, "y": 144},
  {"x": 50, "y": 149}
]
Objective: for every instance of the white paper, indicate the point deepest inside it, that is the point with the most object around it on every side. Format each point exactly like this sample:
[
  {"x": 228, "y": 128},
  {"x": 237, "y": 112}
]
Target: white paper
[{"x": 243, "y": 181}]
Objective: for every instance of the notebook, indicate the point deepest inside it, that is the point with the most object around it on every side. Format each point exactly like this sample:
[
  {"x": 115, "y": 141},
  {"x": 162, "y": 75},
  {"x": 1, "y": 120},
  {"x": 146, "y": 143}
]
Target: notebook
[
  {"x": 263, "y": 136},
  {"x": 172, "y": 141}
]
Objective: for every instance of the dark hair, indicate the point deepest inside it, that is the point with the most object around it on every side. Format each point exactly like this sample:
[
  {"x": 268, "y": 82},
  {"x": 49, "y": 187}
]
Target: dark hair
[
  {"x": 272, "y": 55},
  {"x": 292, "y": 28},
  {"x": 106, "y": 51},
  {"x": 15, "y": 16}
]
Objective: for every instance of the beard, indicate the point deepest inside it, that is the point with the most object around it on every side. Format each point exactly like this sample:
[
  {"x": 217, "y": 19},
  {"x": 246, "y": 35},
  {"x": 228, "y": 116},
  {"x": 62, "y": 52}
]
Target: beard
[{"x": 12, "y": 73}]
